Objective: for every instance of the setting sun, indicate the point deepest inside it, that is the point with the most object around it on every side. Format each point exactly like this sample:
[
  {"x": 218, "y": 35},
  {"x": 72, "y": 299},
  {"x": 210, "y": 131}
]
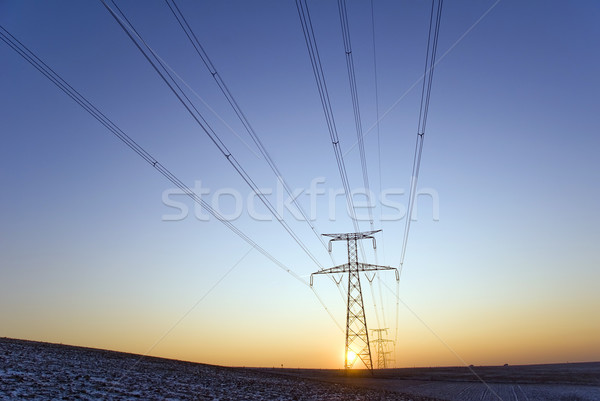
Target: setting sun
[{"x": 351, "y": 356}]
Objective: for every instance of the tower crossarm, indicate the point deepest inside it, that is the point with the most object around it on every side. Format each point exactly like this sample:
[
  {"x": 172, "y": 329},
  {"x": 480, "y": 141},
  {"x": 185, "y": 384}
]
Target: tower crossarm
[
  {"x": 367, "y": 267},
  {"x": 345, "y": 268},
  {"x": 352, "y": 237},
  {"x": 347, "y": 236},
  {"x": 382, "y": 340}
]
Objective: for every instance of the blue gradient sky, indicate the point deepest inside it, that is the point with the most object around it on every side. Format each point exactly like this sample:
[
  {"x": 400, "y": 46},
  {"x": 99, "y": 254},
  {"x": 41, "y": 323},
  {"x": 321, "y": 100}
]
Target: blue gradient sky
[{"x": 509, "y": 273}]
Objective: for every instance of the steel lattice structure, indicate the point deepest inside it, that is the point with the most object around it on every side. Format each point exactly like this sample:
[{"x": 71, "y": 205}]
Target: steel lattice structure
[
  {"x": 382, "y": 353},
  {"x": 357, "y": 334}
]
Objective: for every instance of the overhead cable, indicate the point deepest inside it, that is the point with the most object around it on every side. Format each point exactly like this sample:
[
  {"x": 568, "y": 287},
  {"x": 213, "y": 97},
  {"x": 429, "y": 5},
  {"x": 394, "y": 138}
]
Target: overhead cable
[
  {"x": 343, "y": 13},
  {"x": 64, "y": 86},
  {"x": 432, "y": 43},
  {"x": 49, "y": 73},
  {"x": 238, "y": 111},
  {"x": 317, "y": 67},
  {"x": 159, "y": 66},
  {"x": 378, "y": 153},
  {"x": 354, "y": 94}
]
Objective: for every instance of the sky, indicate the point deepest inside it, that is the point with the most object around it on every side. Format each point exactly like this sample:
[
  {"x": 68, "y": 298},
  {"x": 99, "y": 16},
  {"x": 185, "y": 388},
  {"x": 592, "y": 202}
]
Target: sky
[{"x": 97, "y": 248}]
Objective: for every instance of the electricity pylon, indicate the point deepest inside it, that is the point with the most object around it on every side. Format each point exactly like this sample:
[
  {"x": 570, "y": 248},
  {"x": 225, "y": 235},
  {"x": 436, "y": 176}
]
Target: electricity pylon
[
  {"x": 382, "y": 353},
  {"x": 357, "y": 334}
]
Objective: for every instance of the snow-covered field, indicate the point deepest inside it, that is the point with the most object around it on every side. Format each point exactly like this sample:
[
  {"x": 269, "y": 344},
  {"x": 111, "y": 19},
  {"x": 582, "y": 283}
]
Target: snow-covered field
[
  {"x": 40, "y": 371},
  {"x": 558, "y": 382},
  {"x": 505, "y": 392}
]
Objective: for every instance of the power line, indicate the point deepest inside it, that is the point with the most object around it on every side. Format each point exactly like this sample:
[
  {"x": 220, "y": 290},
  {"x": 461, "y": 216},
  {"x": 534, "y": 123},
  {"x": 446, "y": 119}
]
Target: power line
[
  {"x": 377, "y": 115},
  {"x": 47, "y": 71},
  {"x": 432, "y": 42},
  {"x": 64, "y": 86},
  {"x": 238, "y": 111},
  {"x": 378, "y": 150},
  {"x": 317, "y": 67},
  {"x": 343, "y": 13},
  {"x": 311, "y": 44},
  {"x": 438, "y": 60},
  {"x": 164, "y": 74},
  {"x": 354, "y": 94},
  {"x": 430, "y": 62}
]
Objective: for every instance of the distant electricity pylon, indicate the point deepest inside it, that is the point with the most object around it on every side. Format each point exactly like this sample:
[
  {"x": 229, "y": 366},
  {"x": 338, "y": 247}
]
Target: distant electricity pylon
[
  {"x": 381, "y": 345},
  {"x": 357, "y": 334}
]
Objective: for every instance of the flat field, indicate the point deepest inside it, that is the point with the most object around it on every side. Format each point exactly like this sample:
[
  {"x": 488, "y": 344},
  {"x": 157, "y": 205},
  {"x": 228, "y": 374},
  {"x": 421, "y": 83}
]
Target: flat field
[
  {"x": 41, "y": 371},
  {"x": 553, "y": 382}
]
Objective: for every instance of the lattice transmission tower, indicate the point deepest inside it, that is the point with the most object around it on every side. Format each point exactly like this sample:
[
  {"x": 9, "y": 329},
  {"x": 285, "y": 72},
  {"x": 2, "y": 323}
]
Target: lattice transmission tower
[
  {"x": 382, "y": 350},
  {"x": 357, "y": 334}
]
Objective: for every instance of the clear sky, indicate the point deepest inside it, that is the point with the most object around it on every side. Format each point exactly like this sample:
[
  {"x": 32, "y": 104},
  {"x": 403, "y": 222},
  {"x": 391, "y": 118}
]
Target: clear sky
[{"x": 508, "y": 271}]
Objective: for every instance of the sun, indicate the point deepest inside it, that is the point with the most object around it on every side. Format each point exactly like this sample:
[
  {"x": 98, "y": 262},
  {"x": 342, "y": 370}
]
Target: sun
[{"x": 351, "y": 356}]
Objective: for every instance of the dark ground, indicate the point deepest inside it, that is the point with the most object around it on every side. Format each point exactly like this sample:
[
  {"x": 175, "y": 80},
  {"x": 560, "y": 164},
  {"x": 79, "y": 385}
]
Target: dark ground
[
  {"x": 560, "y": 382},
  {"x": 41, "y": 371}
]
